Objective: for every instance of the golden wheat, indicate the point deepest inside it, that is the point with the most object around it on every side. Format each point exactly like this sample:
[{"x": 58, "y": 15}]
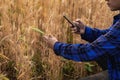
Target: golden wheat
[{"x": 28, "y": 57}]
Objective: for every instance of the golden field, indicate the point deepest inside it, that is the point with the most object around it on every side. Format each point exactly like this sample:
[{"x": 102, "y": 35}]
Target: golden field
[{"x": 24, "y": 55}]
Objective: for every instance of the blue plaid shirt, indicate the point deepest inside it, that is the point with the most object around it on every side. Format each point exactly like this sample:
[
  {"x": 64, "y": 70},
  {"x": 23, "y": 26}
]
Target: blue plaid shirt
[{"x": 101, "y": 43}]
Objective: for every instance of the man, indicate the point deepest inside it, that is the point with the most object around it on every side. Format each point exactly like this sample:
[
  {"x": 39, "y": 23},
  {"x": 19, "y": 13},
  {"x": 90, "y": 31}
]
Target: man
[{"x": 105, "y": 43}]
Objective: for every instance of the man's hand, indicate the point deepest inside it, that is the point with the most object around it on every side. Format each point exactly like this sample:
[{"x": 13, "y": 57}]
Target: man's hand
[
  {"x": 78, "y": 28},
  {"x": 50, "y": 40}
]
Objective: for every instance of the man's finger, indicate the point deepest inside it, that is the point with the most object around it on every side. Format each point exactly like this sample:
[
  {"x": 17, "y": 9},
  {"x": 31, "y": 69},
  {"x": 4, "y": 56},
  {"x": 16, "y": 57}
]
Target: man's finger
[
  {"x": 50, "y": 36},
  {"x": 71, "y": 26},
  {"x": 45, "y": 38},
  {"x": 74, "y": 29},
  {"x": 79, "y": 21}
]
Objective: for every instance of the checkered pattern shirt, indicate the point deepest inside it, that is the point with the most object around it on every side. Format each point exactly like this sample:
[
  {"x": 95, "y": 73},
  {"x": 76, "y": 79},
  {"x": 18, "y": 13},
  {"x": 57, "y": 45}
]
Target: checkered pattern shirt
[{"x": 101, "y": 43}]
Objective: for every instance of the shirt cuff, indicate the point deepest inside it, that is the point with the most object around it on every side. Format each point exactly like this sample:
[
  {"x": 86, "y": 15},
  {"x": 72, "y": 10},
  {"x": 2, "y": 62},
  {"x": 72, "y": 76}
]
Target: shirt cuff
[
  {"x": 56, "y": 48},
  {"x": 87, "y": 32}
]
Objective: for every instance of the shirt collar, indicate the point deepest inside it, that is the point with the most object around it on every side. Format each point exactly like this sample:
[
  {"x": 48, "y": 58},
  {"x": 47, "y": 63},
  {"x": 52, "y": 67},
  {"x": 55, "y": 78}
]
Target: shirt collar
[{"x": 116, "y": 18}]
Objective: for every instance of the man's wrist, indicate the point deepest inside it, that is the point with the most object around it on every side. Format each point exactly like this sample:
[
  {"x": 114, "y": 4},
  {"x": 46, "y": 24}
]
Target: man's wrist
[
  {"x": 82, "y": 31},
  {"x": 53, "y": 44}
]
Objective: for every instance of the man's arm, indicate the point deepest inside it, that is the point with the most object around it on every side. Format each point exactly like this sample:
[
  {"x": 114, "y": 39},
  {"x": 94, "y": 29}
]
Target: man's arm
[
  {"x": 92, "y": 34},
  {"x": 87, "y": 33},
  {"x": 105, "y": 44}
]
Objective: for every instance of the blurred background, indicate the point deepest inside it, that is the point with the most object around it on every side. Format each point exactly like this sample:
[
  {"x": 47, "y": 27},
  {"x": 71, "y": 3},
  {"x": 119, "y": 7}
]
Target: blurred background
[{"x": 24, "y": 55}]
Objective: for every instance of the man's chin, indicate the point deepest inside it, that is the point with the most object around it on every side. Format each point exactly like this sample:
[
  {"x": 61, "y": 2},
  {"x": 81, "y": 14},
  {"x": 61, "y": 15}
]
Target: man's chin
[{"x": 114, "y": 9}]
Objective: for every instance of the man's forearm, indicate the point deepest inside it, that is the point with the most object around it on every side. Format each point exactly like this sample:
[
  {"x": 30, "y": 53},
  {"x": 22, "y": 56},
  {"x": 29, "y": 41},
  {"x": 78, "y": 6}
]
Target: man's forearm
[{"x": 91, "y": 34}]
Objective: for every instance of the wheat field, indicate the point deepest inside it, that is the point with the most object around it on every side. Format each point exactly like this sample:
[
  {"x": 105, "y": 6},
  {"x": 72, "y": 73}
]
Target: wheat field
[{"x": 24, "y": 55}]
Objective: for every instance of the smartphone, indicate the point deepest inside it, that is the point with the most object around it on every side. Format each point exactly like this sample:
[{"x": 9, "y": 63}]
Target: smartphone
[
  {"x": 73, "y": 25},
  {"x": 69, "y": 21}
]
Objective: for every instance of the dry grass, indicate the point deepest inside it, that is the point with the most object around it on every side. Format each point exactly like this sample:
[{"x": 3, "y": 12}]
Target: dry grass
[{"x": 23, "y": 54}]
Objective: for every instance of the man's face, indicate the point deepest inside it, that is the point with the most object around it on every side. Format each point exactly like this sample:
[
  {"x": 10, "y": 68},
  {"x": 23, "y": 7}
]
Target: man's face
[{"x": 114, "y": 4}]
